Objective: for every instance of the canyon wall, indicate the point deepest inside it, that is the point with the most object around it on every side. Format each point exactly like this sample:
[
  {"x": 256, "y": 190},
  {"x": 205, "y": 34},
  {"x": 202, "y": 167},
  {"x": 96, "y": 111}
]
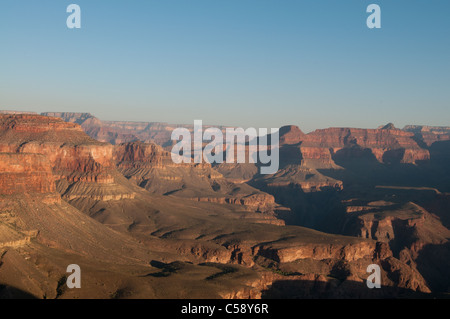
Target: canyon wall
[
  {"x": 25, "y": 173},
  {"x": 72, "y": 156}
]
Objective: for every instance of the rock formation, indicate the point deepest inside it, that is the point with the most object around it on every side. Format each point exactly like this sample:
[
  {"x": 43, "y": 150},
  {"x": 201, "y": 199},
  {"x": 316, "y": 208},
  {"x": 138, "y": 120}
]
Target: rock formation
[
  {"x": 25, "y": 173},
  {"x": 73, "y": 156},
  {"x": 147, "y": 228},
  {"x": 151, "y": 167},
  {"x": 385, "y": 145}
]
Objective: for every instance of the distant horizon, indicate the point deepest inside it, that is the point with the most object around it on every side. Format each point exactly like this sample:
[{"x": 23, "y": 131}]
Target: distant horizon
[{"x": 3, "y": 110}]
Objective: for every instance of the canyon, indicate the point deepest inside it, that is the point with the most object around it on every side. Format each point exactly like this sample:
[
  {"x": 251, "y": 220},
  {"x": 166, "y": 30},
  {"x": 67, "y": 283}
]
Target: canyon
[{"x": 107, "y": 194}]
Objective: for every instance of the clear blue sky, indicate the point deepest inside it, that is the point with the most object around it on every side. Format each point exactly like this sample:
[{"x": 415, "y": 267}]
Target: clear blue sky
[{"x": 258, "y": 63}]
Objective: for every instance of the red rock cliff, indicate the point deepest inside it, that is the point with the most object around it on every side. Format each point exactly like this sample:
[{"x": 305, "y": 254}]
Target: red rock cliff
[
  {"x": 385, "y": 144},
  {"x": 25, "y": 173},
  {"x": 72, "y": 154}
]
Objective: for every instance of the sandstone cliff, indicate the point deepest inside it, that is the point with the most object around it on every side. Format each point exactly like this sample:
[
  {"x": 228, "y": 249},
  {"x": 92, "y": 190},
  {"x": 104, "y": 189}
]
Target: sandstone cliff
[
  {"x": 25, "y": 173},
  {"x": 414, "y": 235},
  {"x": 73, "y": 156},
  {"x": 386, "y": 145}
]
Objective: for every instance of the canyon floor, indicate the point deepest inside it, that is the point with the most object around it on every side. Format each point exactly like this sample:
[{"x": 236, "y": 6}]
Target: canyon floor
[{"x": 107, "y": 197}]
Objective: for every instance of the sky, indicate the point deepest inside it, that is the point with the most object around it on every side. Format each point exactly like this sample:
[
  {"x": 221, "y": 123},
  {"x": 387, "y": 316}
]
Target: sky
[{"x": 247, "y": 63}]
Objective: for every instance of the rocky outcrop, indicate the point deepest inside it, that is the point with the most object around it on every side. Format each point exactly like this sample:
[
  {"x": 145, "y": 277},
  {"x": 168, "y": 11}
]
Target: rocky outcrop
[
  {"x": 296, "y": 148},
  {"x": 307, "y": 179},
  {"x": 72, "y": 156},
  {"x": 25, "y": 173},
  {"x": 315, "y": 251},
  {"x": 336, "y": 278},
  {"x": 137, "y": 155},
  {"x": 403, "y": 226},
  {"x": 385, "y": 144},
  {"x": 416, "y": 237},
  {"x": 151, "y": 167},
  {"x": 290, "y": 134}
]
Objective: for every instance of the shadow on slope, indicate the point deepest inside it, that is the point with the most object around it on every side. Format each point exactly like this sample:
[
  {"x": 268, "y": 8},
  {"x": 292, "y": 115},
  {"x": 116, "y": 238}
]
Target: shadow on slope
[
  {"x": 433, "y": 263},
  {"x": 9, "y": 292},
  {"x": 364, "y": 169},
  {"x": 348, "y": 289}
]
